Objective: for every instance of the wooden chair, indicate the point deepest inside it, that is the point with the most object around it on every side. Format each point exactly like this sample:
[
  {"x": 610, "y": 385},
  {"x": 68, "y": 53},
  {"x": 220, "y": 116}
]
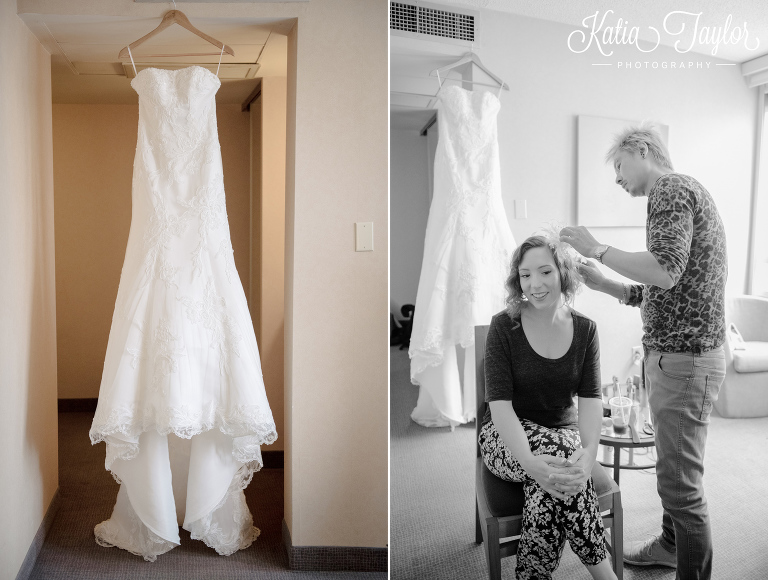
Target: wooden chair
[{"x": 499, "y": 503}]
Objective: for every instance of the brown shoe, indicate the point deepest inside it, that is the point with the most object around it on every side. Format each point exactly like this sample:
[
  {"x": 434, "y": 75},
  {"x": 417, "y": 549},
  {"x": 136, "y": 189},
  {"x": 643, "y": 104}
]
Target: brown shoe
[{"x": 649, "y": 553}]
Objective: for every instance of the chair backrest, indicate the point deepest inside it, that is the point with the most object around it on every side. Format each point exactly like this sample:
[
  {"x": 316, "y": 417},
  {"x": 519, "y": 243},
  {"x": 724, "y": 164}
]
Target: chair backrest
[{"x": 481, "y": 333}]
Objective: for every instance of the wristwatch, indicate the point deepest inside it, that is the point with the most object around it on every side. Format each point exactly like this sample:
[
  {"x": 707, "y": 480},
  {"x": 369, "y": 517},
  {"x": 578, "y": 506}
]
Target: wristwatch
[{"x": 600, "y": 252}]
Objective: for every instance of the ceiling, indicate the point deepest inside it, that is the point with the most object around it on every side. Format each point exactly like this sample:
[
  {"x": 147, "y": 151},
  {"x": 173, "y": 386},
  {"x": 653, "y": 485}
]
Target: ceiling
[
  {"x": 84, "y": 48},
  {"x": 411, "y": 61}
]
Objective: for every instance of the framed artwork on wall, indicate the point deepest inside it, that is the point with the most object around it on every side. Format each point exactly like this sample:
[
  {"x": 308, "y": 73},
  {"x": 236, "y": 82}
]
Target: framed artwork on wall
[{"x": 600, "y": 201}]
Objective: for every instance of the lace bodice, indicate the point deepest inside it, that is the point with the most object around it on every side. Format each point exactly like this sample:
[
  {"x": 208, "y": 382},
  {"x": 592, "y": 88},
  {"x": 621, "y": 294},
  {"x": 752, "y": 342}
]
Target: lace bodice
[
  {"x": 177, "y": 106},
  {"x": 472, "y": 119}
]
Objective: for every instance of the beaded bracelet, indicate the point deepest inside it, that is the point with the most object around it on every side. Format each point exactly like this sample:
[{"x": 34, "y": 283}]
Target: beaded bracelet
[{"x": 624, "y": 293}]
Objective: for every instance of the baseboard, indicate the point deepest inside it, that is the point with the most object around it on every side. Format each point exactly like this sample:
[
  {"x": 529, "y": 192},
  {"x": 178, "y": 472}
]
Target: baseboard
[
  {"x": 77, "y": 405},
  {"x": 37, "y": 542},
  {"x": 333, "y": 558}
]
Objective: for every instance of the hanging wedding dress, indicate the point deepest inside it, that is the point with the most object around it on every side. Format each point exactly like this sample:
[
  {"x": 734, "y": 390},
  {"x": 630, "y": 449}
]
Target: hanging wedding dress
[
  {"x": 467, "y": 250},
  {"x": 182, "y": 406}
]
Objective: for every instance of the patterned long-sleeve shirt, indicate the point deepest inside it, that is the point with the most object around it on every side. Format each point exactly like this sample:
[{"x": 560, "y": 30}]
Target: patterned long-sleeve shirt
[{"x": 686, "y": 236}]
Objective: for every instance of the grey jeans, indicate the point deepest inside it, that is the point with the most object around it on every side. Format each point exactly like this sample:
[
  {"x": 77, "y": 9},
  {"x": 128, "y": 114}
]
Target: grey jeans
[{"x": 681, "y": 390}]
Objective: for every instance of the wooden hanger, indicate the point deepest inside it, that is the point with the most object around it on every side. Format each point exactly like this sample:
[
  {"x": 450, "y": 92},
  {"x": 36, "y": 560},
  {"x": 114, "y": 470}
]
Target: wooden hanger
[
  {"x": 470, "y": 57},
  {"x": 178, "y": 17}
]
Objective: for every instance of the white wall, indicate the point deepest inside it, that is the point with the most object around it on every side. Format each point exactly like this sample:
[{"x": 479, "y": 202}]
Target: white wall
[
  {"x": 710, "y": 113},
  {"x": 28, "y": 419},
  {"x": 336, "y": 299},
  {"x": 408, "y": 211}
]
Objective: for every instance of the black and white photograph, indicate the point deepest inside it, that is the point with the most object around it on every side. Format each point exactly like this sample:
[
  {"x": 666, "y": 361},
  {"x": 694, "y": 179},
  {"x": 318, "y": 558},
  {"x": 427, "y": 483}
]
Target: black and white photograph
[
  {"x": 193, "y": 298},
  {"x": 578, "y": 290}
]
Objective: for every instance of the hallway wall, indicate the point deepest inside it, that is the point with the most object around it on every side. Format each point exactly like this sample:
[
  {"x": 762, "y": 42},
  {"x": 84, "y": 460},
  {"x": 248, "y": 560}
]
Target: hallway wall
[
  {"x": 267, "y": 297},
  {"x": 336, "y": 298},
  {"x": 28, "y": 419}
]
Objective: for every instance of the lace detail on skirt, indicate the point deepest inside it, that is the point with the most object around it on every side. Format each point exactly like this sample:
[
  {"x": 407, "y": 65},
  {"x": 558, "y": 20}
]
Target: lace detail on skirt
[
  {"x": 133, "y": 536},
  {"x": 227, "y": 527},
  {"x": 228, "y": 539},
  {"x": 430, "y": 352},
  {"x": 117, "y": 449},
  {"x": 250, "y": 427}
]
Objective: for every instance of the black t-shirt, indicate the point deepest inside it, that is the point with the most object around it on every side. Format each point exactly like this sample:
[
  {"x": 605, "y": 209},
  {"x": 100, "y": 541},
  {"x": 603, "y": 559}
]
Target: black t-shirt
[{"x": 541, "y": 389}]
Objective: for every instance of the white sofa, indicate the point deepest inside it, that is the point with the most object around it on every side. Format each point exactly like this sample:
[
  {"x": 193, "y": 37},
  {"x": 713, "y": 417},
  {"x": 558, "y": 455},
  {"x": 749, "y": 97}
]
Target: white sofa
[{"x": 745, "y": 390}]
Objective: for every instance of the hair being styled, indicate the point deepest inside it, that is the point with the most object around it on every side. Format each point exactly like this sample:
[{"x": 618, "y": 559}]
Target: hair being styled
[
  {"x": 569, "y": 276},
  {"x": 631, "y": 138}
]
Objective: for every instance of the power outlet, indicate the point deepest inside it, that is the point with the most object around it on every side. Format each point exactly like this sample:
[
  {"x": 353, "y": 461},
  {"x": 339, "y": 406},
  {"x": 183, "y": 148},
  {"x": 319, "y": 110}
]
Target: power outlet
[{"x": 637, "y": 354}]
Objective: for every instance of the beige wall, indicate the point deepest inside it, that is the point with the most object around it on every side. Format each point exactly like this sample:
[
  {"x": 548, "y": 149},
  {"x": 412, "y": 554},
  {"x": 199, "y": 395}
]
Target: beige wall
[
  {"x": 234, "y": 136},
  {"x": 94, "y": 147},
  {"x": 291, "y": 458},
  {"x": 336, "y": 298},
  {"x": 28, "y": 419},
  {"x": 254, "y": 292},
  {"x": 268, "y": 239}
]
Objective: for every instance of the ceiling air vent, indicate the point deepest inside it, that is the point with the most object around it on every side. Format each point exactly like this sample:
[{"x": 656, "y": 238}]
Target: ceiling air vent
[{"x": 425, "y": 20}]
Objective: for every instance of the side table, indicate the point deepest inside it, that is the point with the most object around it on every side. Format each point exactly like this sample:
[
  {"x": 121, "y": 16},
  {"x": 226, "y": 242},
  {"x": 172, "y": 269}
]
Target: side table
[{"x": 622, "y": 439}]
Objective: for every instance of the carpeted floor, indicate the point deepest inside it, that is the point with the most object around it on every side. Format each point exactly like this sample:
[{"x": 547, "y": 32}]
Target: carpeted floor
[
  {"x": 88, "y": 494},
  {"x": 432, "y": 534}
]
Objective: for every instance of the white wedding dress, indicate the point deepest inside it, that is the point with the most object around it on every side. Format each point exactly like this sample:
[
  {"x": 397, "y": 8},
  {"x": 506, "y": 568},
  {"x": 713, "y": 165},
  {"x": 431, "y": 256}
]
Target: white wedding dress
[
  {"x": 182, "y": 406},
  {"x": 467, "y": 251}
]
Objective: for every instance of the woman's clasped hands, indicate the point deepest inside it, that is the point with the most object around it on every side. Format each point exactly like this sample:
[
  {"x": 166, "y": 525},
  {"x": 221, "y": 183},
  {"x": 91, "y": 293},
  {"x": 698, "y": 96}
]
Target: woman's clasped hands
[{"x": 560, "y": 477}]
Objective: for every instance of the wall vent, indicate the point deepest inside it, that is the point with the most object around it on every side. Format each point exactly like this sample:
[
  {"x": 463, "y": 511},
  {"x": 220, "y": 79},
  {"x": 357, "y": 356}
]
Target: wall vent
[{"x": 432, "y": 21}]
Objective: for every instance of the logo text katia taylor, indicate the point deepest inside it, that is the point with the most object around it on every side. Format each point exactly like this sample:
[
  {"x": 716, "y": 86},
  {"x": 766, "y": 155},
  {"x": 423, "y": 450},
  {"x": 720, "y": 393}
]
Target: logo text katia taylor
[{"x": 602, "y": 33}]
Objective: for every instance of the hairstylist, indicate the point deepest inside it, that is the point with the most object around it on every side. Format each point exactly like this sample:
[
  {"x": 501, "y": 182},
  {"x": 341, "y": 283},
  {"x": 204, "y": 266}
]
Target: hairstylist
[{"x": 680, "y": 291}]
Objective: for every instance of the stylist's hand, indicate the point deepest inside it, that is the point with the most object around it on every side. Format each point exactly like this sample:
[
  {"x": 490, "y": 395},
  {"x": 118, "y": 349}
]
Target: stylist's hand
[
  {"x": 582, "y": 460},
  {"x": 580, "y": 239},
  {"x": 553, "y": 476},
  {"x": 593, "y": 277}
]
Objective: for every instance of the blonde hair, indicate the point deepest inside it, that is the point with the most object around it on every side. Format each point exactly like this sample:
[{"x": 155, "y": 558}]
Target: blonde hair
[
  {"x": 570, "y": 280},
  {"x": 631, "y": 138}
]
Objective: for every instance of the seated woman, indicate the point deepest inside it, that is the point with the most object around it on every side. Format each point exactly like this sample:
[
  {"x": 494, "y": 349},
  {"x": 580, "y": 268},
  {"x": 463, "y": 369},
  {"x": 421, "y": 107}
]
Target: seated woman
[{"x": 540, "y": 353}]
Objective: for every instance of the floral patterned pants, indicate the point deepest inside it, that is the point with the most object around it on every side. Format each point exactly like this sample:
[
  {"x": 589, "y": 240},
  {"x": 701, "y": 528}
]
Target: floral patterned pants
[{"x": 547, "y": 521}]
